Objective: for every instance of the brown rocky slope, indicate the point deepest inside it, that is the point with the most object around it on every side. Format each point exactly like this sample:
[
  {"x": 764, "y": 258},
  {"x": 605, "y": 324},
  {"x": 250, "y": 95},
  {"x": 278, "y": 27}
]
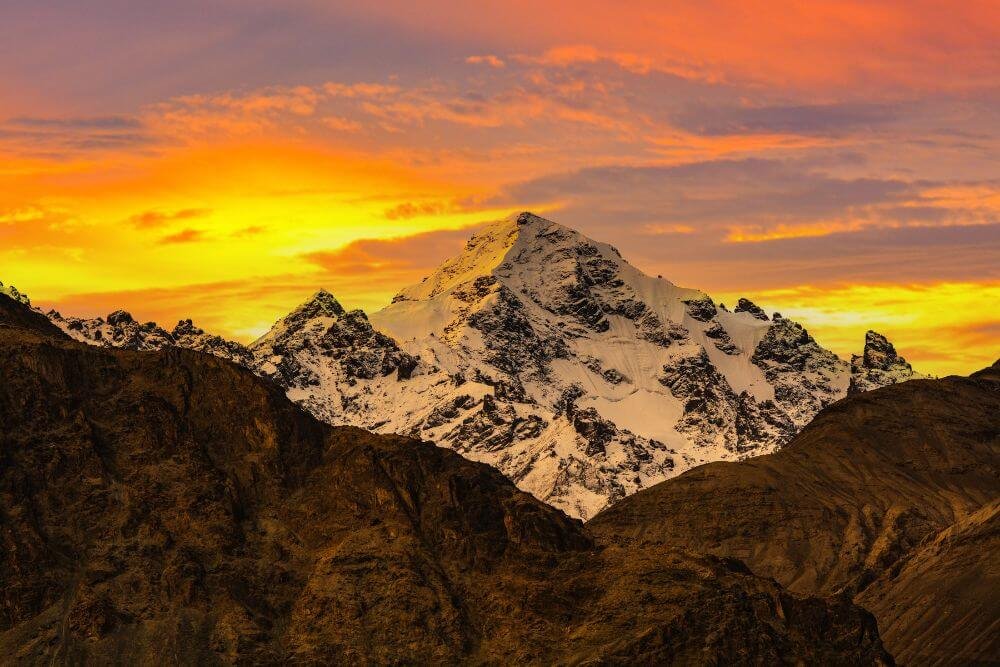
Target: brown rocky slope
[
  {"x": 888, "y": 496},
  {"x": 171, "y": 508}
]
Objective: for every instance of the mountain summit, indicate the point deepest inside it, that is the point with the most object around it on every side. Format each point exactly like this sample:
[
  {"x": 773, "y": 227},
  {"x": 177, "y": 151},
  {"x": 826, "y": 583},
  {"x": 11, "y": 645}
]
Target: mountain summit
[{"x": 547, "y": 355}]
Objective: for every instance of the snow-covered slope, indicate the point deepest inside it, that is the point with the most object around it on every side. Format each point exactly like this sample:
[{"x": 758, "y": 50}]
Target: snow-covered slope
[{"x": 547, "y": 355}]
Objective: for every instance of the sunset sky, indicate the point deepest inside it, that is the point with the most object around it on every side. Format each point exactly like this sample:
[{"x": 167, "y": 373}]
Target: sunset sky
[{"x": 223, "y": 159}]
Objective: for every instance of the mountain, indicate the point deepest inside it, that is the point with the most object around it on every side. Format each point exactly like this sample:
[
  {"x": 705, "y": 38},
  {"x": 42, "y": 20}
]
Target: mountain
[
  {"x": 170, "y": 507},
  {"x": 889, "y": 497},
  {"x": 547, "y": 355}
]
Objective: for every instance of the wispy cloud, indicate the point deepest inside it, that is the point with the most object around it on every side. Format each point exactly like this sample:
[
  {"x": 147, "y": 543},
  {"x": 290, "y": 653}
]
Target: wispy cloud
[
  {"x": 488, "y": 59},
  {"x": 154, "y": 218},
  {"x": 184, "y": 236}
]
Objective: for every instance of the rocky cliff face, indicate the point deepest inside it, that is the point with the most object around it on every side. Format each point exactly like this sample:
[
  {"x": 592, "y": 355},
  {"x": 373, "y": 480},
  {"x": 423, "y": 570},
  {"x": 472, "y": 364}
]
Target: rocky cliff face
[
  {"x": 888, "y": 496},
  {"x": 534, "y": 329},
  {"x": 169, "y": 507}
]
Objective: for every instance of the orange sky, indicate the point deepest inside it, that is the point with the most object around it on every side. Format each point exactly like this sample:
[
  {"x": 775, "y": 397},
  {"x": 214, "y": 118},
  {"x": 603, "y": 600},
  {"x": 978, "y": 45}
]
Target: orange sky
[{"x": 836, "y": 161}]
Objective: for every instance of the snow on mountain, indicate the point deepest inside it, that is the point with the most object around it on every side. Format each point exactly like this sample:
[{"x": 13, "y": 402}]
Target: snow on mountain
[
  {"x": 335, "y": 364},
  {"x": 547, "y": 355},
  {"x": 11, "y": 292},
  {"x": 121, "y": 330}
]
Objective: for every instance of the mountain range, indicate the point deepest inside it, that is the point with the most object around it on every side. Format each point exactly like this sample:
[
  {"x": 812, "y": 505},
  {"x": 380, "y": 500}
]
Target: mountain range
[
  {"x": 171, "y": 507},
  {"x": 546, "y": 355}
]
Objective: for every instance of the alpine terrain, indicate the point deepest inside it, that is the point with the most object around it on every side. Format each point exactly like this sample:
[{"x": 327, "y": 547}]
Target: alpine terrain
[{"x": 545, "y": 354}]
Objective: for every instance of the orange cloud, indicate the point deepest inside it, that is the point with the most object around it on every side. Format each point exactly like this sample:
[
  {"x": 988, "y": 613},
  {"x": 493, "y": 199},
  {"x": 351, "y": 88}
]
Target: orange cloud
[
  {"x": 489, "y": 59},
  {"x": 184, "y": 236},
  {"x": 916, "y": 45},
  {"x": 151, "y": 219}
]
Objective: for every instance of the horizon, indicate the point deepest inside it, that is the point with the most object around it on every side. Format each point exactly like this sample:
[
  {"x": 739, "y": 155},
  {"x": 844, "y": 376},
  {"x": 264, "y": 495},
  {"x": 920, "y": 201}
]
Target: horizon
[{"x": 221, "y": 161}]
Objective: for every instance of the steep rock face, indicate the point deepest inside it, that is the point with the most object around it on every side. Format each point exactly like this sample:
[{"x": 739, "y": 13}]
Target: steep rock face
[
  {"x": 879, "y": 366},
  {"x": 897, "y": 486},
  {"x": 938, "y": 604},
  {"x": 805, "y": 376},
  {"x": 169, "y": 507},
  {"x": 328, "y": 358}
]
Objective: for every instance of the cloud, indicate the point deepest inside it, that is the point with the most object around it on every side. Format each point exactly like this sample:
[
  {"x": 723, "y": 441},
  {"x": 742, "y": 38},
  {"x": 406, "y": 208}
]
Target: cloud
[
  {"x": 803, "y": 119},
  {"x": 62, "y": 137},
  {"x": 393, "y": 263},
  {"x": 232, "y": 112},
  {"x": 184, "y": 236},
  {"x": 22, "y": 214},
  {"x": 489, "y": 59},
  {"x": 655, "y": 229},
  {"x": 85, "y": 123},
  {"x": 711, "y": 193},
  {"x": 341, "y": 124},
  {"x": 252, "y": 230},
  {"x": 154, "y": 218},
  {"x": 408, "y": 210}
]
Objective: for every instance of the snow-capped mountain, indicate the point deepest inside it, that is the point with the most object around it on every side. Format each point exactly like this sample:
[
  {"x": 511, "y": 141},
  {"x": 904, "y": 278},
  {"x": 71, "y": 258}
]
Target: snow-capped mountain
[{"x": 547, "y": 355}]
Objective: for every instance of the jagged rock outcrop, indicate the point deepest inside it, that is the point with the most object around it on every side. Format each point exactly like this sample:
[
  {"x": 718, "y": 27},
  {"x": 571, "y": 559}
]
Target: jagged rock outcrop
[
  {"x": 748, "y": 306},
  {"x": 879, "y": 365},
  {"x": 321, "y": 353},
  {"x": 168, "y": 507},
  {"x": 889, "y": 497},
  {"x": 805, "y": 376}
]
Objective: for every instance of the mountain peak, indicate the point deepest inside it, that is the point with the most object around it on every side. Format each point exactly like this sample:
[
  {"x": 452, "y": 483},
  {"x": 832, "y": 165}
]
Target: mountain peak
[
  {"x": 879, "y": 352},
  {"x": 879, "y": 365},
  {"x": 524, "y": 239},
  {"x": 525, "y": 218},
  {"x": 321, "y": 304}
]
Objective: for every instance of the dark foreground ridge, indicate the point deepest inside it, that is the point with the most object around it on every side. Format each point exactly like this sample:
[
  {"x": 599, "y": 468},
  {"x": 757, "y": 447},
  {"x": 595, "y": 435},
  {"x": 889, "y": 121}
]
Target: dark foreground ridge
[
  {"x": 170, "y": 507},
  {"x": 890, "y": 497}
]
